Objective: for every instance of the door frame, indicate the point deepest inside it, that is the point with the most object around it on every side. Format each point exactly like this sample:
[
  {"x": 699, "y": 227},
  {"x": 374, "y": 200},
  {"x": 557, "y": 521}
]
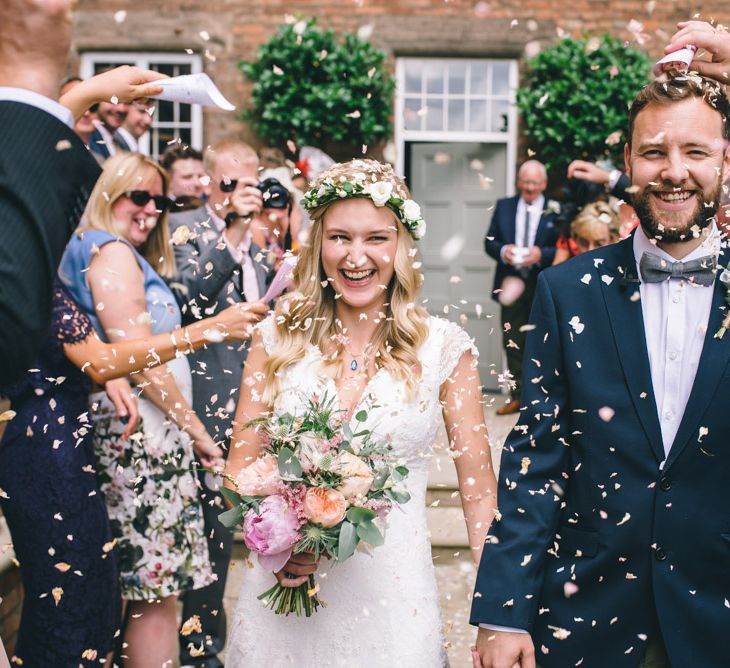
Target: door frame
[{"x": 403, "y": 136}]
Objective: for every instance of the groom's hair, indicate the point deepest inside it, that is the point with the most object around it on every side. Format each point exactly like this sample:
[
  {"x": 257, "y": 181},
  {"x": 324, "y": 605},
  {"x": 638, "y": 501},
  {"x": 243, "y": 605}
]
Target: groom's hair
[{"x": 678, "y": 88}]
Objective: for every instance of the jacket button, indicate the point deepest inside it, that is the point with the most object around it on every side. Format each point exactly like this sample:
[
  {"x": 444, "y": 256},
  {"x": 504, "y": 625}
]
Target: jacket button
[
  {"x": 660, "y": 554},
  {"x": 665, "y": 484}
]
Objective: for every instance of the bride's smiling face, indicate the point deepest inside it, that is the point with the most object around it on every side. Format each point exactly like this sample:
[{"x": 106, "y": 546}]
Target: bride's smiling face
[{"x": 359, "y": 243}]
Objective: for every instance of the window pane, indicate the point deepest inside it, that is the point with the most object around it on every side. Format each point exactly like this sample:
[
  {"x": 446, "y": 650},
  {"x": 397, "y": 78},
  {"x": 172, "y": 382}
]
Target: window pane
[
  {"x": 434, "y": 77},
  {"x": 413, "y": 77},
  {"x": 411, "y": 117},
  {"x": 457, "y": 78},
  {"x": 500, "y": 116},
  {"x": 500, "y": 78},
  {"x": 165, "y": 111},
  {"x": 457, "y": 114},
  {"x": 184, "y": 111},
  {"x": 478, "y": 78},
  {"x": 435, "y": 114},
  {"x": 477, "y": 115}
]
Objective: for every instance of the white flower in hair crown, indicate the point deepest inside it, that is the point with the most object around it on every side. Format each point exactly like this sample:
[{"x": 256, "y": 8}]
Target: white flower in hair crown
[{"x": 381, "y": 193}]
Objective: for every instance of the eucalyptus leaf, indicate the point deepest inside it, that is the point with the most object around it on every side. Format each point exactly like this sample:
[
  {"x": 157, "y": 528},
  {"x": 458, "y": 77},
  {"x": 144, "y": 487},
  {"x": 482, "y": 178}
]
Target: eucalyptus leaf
[
  {"x": 289, "y": 466},
  {"x": 358, "y": 514},
  {"x": 232, "y": 517},
  {"x": 348, "y": 541},
  {"x": 369, "y": 533}
]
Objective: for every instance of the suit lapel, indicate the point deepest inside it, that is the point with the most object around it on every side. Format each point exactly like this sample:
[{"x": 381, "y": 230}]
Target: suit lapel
[
  {"x": 713, "y": 361},
  {"x": 627, "y": 325},
  {"x": 262, "y": 269},
  {"x": 544, "y": 218},
  {"x": 511, "y": 220}
]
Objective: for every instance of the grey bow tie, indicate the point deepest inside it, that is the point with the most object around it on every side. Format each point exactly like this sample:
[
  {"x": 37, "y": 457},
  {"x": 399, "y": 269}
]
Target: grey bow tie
[{"x": 655, "y": 269}]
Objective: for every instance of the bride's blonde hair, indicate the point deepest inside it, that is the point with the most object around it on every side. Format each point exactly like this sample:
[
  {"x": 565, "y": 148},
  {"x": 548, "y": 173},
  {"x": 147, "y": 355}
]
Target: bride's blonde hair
[{"x": 307, "y": 315}]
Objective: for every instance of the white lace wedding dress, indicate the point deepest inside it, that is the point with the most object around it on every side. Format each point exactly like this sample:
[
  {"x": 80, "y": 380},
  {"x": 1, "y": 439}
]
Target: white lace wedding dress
[{"x": 382, "y": 610}]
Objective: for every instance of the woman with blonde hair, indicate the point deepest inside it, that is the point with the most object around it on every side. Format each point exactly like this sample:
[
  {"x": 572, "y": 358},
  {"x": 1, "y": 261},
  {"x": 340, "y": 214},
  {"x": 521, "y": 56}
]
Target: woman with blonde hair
[
  {"x": 352, "y": 330},
  {"x": 114, "y": 267},
  {"x": 596, "y": 225}
]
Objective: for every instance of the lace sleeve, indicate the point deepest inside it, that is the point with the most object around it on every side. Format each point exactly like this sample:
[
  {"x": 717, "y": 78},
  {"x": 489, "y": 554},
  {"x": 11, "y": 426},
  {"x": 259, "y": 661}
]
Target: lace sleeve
[
  {"x": 69, "y": 323},
  {"x": 267, "y": 329},
  {"x": 454, "y": 343}
]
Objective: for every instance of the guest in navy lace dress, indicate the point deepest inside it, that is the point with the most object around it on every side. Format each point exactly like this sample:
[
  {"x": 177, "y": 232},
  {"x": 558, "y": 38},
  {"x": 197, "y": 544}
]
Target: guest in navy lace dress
[{"x": 56, "y": 514}]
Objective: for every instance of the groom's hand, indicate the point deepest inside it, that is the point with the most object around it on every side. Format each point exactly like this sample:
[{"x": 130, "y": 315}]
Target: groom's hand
[{"x": 505, "y": 649}]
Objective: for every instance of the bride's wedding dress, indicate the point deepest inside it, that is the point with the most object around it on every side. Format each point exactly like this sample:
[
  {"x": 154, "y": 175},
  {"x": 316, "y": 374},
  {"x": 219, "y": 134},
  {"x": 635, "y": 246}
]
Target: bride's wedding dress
[{"x": 382, "y": 610}]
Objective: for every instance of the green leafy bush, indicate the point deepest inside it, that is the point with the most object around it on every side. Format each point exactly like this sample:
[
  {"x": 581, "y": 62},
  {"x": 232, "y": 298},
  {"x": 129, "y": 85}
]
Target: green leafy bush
[
  {"x": 575, "y": 99},
  {"x": 310, "y": 88}
]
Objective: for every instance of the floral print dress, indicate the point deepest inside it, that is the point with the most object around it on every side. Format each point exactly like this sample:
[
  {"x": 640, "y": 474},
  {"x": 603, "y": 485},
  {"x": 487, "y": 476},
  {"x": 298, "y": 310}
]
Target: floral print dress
[{"x": 149, "y": 481}]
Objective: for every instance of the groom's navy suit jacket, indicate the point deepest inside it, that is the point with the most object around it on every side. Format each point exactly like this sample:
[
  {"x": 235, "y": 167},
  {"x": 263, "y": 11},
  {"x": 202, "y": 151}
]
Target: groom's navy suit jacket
[
  {"x": 502, "y": 231},
  {"x": 584, "y": 496}
]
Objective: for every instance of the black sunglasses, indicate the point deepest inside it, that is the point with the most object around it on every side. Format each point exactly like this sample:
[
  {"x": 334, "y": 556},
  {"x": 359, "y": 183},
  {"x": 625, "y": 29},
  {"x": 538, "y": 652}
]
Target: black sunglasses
[
  {"x": 228, "y": 185},
  {"x": 141, "y": 197}
]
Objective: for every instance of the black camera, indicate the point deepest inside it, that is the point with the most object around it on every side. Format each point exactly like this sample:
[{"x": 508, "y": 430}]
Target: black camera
[
  {"x": 576, "y": 193},
  {"x": 276, "y": 196}
]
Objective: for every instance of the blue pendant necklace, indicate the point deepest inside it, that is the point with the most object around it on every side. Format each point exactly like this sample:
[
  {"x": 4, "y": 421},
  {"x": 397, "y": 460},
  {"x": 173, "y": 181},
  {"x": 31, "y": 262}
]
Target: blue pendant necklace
[{"x": 354, "y": 365}]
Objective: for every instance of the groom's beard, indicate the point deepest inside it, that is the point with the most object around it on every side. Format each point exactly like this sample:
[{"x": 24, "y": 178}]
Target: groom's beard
[{"x": 663, "y": 226}]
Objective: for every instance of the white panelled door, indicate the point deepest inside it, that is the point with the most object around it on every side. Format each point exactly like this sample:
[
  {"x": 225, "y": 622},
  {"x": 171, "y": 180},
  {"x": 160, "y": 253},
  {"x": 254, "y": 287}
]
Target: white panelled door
[{"x": 457, "y": 203}]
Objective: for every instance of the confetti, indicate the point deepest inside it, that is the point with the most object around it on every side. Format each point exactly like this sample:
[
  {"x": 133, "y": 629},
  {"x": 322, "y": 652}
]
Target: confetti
[
  {"x": 57, "y": 592},
  {"x": 120, "y": 16},
  {"x": 6, "y": 416},
  {"x": 191, "y": 625}
]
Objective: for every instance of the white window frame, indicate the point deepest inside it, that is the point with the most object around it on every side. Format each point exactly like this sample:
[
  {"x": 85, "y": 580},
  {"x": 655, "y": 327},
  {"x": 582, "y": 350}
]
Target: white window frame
[
  {"x": 403, "y": 135},
  {"x": 143, "y": 59}
]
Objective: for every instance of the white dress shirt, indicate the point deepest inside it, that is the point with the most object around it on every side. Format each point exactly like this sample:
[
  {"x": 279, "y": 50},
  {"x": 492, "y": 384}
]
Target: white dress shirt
[
  {"x": 129, "y": 139},
  {"x": 528, "y": 214},
  {"x": 676, "y": 313},
  {"x": 29, "y": 97},
  {"x": 242, "y": 255}
]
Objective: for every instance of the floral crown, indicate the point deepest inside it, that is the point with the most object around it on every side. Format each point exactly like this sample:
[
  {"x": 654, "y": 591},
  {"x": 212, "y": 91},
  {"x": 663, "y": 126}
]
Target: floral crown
[{"x": 371, "y": 179}]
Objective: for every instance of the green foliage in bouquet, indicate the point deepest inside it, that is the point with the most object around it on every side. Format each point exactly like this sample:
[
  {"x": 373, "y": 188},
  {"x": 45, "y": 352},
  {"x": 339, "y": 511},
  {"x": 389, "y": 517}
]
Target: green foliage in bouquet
[
  {"x": 311, "y": 88},
  {"x": 324, "y": 452},
  {"x": 575, "y": 99}
]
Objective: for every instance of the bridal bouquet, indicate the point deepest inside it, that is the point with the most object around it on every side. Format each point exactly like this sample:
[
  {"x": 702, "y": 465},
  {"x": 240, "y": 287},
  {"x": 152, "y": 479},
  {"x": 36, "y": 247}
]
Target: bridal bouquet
[{"x": 323, "y": 484}]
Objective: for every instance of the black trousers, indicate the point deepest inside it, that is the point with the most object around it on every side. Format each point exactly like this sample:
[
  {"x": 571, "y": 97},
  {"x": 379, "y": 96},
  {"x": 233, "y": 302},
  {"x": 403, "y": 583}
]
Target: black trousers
[
  {"x": 517, "y": 315},
  {"x": 207, "y": 603}
]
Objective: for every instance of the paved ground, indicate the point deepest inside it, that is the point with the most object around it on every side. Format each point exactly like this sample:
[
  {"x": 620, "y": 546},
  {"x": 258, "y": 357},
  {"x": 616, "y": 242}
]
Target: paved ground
[{"x": 454, "y": 570}]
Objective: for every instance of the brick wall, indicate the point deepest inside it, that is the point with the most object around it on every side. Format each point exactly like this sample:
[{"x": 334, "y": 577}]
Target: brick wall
[{"x": 481, "y": 28}]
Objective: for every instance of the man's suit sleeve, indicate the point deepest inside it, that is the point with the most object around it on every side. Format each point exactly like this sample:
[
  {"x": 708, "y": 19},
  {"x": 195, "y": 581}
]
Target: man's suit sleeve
[
  {"x": 531, "y": 479},
  {"x": 547, "y": 249},
  {"x": 493, "y": 242},
  {"x": 620, "y": 190},
  {"x": 203, "y": 269},
  {"x": 46, "y": 177}
]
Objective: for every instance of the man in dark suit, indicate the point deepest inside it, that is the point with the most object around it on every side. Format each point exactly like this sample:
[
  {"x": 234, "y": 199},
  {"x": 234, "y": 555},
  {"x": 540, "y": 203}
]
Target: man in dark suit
[
  {"x": 521, "y": 238},
  {"x": 218, "y": 265},
  {"x": 105, "y": 141},
  {"x": 46, "y": 174},
  {"x": 613, "y": 549}
]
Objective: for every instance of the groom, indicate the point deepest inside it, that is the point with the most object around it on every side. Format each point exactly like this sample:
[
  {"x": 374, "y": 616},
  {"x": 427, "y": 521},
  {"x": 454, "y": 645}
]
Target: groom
[{"x": 613, "y": 550}]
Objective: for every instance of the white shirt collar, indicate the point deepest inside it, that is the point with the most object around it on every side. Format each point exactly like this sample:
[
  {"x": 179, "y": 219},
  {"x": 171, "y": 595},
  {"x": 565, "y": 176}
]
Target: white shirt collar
[{"x": 25, "y": 96}]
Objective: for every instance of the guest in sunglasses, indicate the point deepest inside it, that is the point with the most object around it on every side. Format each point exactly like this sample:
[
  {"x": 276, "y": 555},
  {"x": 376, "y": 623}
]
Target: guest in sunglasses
[{"x": 115, "y": 267}]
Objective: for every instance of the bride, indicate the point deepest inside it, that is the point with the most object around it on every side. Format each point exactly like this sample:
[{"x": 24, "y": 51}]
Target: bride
[{"x": 352, "y": 329}]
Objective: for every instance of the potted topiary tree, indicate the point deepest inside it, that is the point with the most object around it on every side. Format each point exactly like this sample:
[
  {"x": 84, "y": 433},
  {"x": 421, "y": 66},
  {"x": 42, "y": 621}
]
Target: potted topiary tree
[
  {"x": 575, "y": 98},
  {"x": 310, "y": 88}
]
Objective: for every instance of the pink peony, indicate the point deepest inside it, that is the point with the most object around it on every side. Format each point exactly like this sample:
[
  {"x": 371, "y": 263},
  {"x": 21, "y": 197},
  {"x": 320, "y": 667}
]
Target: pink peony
[
  {"x": 326, "y": 507},
  {"x": 260, "y": 478},
  {"x": 271, "y": 532}
]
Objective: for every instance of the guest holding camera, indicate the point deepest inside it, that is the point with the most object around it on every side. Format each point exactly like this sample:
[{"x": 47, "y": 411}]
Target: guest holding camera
[
  {"x": 218, "y": 264},
  {"x": 521, "y": 238}
]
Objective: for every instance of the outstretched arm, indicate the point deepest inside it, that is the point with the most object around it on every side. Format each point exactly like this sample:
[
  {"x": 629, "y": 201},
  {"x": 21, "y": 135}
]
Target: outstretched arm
[
  {"x": 105, "y": 361},
  {"x": 464, "y": 419},
  {"x": 125, "y": 83}
]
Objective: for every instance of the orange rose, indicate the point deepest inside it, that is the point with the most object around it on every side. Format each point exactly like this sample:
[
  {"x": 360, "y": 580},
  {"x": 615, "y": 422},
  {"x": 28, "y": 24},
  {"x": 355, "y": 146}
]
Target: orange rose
[{"x": 326, "y": 507}]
